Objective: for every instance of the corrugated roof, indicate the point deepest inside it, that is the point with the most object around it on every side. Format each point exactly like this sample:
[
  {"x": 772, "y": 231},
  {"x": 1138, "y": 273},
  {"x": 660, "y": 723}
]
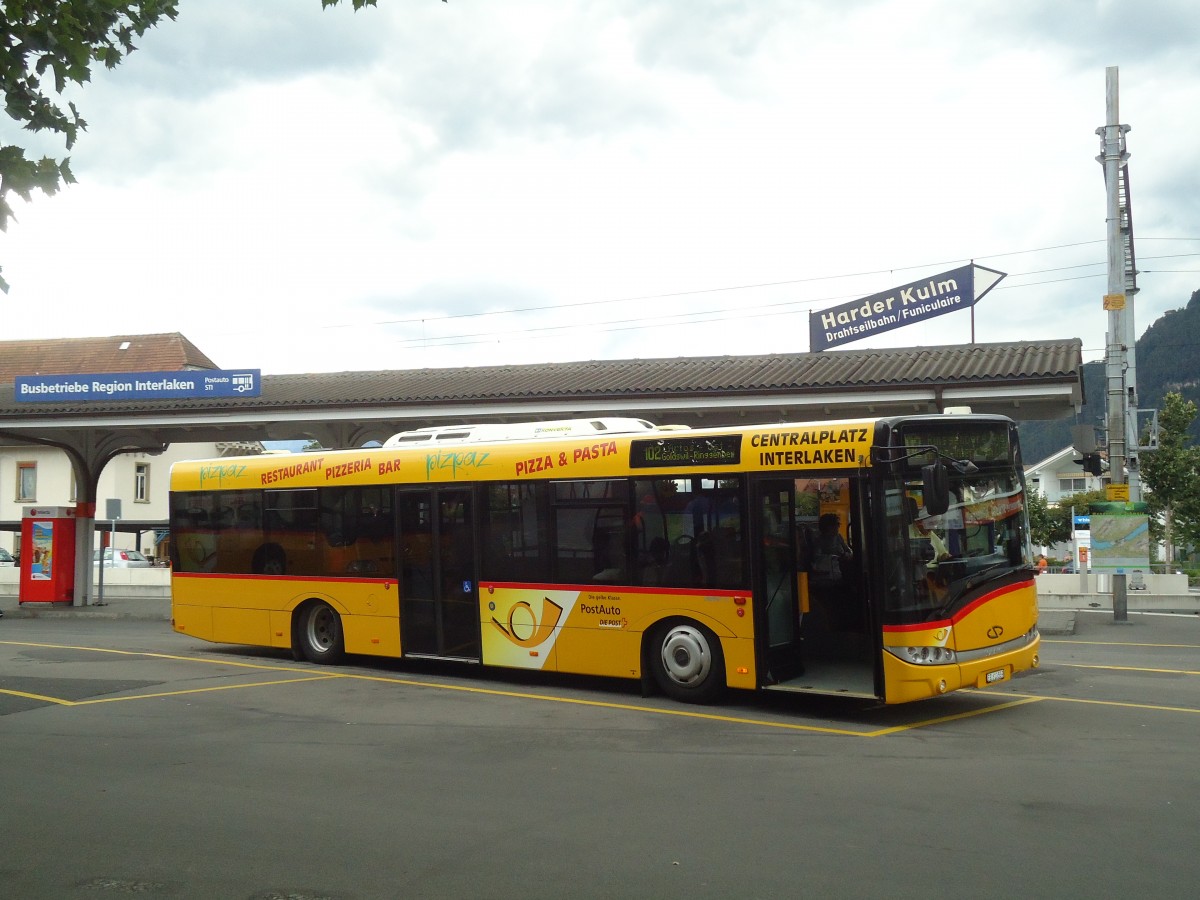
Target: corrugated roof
[
  {"x": 865, "y": 373},
  {"x": 804, "y": 372},
  {"x": 94, "y": 355}
]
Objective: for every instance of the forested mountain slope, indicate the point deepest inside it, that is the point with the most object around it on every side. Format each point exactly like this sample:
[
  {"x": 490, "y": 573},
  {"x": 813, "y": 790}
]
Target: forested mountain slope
[{"x": 1168, "y": 359}]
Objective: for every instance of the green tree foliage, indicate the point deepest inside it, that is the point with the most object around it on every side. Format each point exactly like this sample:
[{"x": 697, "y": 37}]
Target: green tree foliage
[
  {"x": 47, "y": 45},
  {"x": 1171, "y": 474},
  {"x": 1046, "y": 527},
  {"x": 1168, "y": 357},
  {"x": 1050, "y": 523}
]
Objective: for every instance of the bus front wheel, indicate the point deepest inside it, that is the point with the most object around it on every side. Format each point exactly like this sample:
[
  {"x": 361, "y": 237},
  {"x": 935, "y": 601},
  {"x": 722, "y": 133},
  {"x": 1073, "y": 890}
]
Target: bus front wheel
[
  {"x": 686, "y": 660},
  {"x": 320, "y": 634}
]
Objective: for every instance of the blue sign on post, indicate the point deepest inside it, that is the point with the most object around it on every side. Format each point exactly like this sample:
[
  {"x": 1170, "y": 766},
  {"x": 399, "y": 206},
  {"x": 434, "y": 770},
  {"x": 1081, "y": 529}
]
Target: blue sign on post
[
  {"x": 907, "y": 304},
  {"x": 184, "y": 385}
]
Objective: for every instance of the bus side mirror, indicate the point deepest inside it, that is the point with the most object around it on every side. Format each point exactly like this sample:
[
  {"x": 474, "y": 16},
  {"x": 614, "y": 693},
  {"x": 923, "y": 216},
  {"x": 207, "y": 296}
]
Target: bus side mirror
[{"x": 935, "y": 488}]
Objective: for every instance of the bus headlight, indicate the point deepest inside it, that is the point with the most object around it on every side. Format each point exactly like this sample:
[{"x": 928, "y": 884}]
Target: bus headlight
[{"x": 924, "y": 656}]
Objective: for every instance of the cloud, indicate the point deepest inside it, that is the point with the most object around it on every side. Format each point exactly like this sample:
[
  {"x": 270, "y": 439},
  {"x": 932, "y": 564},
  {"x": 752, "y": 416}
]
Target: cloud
[{"x": 302, "y": 189}]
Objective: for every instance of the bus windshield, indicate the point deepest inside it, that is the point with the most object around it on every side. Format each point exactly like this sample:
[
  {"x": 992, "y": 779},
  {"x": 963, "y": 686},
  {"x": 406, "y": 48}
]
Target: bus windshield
[{"x": 933, "y": 561}]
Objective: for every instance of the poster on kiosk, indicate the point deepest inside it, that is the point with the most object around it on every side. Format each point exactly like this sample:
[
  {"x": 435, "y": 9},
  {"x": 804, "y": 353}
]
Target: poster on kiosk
[{"x": 47, "y": 555}]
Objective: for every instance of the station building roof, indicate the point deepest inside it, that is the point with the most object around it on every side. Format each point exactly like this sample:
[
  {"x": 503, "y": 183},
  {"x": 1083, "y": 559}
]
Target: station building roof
[
  {"x": 1024, "y": 380},
  {"x": 117, "y": 353}
]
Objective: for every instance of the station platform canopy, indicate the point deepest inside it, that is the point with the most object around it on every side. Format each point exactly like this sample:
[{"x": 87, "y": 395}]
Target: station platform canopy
[{"x": 1024, "y": 380}]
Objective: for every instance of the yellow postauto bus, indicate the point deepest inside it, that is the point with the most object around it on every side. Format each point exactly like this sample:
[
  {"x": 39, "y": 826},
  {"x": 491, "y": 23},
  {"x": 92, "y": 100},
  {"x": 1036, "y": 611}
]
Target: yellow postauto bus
[{"x": 876, "y": 558}]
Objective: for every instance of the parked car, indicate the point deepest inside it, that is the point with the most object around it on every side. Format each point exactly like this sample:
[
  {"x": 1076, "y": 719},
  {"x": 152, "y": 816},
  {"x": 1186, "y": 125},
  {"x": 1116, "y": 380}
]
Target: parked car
[
  {"x": 6, "y": 558},
  {"x": 123, "y": 559}
]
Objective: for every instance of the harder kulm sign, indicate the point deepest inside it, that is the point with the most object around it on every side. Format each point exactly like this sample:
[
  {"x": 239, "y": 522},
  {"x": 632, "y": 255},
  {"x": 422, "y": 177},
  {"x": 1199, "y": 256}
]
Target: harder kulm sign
[
  {"x": 180, "y": 385},
  {"x": 907, "y": 304}
]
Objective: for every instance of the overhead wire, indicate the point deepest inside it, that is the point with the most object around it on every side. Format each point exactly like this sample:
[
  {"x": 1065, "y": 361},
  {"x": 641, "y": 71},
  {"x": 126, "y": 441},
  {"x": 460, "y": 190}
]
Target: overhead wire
[
  {"x": 698, "y": 317},
  {"x": 704, "y": 316}
]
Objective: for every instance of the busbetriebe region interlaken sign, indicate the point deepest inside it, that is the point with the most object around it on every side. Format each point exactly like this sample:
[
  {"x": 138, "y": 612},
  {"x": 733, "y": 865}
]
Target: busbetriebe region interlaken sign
[
  {"x": 181, "y": 385},
  {"x": 907, "y": 304}
]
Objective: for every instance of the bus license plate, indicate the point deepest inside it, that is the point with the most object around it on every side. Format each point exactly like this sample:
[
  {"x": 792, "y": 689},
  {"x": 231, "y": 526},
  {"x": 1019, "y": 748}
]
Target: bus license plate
[{"x": 993, "y": 677}]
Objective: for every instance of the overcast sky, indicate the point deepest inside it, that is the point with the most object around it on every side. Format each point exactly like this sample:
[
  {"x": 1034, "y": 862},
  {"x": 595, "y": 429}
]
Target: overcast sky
[{"x": 473, "y": 182}]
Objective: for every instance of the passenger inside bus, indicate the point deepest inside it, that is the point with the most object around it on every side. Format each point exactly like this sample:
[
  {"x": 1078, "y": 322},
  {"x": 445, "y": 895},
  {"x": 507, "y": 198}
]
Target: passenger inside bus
[
  {"x": 609, "y": 556},
  {"x": 830, "y": 557},
  {"x": 657, "y": 558}
]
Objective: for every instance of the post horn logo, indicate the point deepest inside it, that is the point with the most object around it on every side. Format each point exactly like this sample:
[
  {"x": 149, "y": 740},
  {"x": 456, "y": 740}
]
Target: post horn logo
[{"x": 525, "y": 630}]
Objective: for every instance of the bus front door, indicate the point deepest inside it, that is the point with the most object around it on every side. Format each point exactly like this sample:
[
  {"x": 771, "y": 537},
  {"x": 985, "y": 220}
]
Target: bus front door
[
  {"x": 439, "y": 607},
  {"x": 818, "y": 635},
  {"x": 778, "y": 585}
]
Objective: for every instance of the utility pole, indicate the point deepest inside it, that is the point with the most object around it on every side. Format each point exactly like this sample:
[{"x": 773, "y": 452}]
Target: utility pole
[{"x": 1119, "y": 366}]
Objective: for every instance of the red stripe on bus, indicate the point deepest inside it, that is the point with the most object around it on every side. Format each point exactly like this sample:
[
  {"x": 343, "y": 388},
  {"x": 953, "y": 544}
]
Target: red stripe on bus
[
  {"x": 612, "y": 588},
  {"x": 483, "y": 585},
  {"x": 962, "y": 613},
  {"x": 330, "y": 579}
]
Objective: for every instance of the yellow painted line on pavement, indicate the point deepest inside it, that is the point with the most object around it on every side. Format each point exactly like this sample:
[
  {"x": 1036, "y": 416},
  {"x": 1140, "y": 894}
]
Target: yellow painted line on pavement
[
  {"x": 628, "y": 707},
  {"x": 152, "y": 655},
  {"x": 950, "y": 718},
  {"x": 687, "y": 713},
  {"x": 1126, "y": 644},
  {"x": 1120, "y": 703},
  {"x": 226, "y": 687},
  {"x": 1128, "y": 669},
  {"x": 494, "y": 692},
  {"x": 41, "y": 697},
  {"x": 203, "y": 690}
]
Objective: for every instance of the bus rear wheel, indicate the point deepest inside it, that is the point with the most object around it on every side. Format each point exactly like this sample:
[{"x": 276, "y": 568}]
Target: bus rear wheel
[
  {"x": 320, "y": 635},
  {"x": 686, "y": 660}
]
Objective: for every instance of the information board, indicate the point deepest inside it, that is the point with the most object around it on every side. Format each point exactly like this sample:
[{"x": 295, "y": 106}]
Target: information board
[{"x": 109, "y": 386}]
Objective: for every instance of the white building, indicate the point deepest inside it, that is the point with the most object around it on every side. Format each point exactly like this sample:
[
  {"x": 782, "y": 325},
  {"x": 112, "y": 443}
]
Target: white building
[
  {"x": 35, "y": 475},
  {"x": 1059, "y": 476},
  {"x": 42, "y": 476}
]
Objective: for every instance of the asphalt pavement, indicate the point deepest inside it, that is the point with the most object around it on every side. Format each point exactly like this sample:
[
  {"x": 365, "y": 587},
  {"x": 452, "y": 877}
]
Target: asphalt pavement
[
  {"x": 114, "y": 607},
  {"x": 139, "y": 761}
]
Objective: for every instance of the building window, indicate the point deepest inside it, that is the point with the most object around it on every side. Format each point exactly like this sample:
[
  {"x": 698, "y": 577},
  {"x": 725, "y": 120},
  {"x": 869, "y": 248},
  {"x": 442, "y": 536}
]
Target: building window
[
  {"x": 141, "y": 482},
  {"x": 26, "y": 482},
  {"x": 1072, "y": 485}
]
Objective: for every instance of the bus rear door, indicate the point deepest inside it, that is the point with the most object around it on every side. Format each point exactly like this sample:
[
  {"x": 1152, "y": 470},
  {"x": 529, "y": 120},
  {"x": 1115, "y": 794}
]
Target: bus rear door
[{"x": 439, "y": 597}]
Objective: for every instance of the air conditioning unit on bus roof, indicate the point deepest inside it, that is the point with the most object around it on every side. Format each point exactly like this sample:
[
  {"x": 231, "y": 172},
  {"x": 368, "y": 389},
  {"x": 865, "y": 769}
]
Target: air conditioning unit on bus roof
[{"x": 522, "y": 431}]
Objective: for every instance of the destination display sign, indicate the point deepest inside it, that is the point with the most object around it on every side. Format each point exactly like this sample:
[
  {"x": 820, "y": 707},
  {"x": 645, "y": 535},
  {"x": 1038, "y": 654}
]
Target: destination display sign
[
  {"x": 907, "y": 304},
  {"x": 723, "y": 450},
  {"x": 109, "y": 386}
]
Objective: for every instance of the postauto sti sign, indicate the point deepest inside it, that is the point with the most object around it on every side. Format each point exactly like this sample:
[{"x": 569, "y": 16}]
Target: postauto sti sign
[{"x": 184, "y": 385}]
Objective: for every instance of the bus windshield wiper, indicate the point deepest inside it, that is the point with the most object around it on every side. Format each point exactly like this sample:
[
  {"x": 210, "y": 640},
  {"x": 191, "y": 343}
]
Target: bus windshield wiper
[{"x": 965, "y": 584}]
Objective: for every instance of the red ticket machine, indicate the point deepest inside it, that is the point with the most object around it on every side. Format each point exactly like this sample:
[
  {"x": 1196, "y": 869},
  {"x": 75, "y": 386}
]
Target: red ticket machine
[{"x": 48, "y": 555}]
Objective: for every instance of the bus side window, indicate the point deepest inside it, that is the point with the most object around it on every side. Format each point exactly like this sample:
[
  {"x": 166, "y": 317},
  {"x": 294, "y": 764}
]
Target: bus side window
[
  {"x": 513, "y": 546},
  {"x": 336, "y": 522},
  {"x": 703, "y": 525},
  {"x": 610, "y": 547}
]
